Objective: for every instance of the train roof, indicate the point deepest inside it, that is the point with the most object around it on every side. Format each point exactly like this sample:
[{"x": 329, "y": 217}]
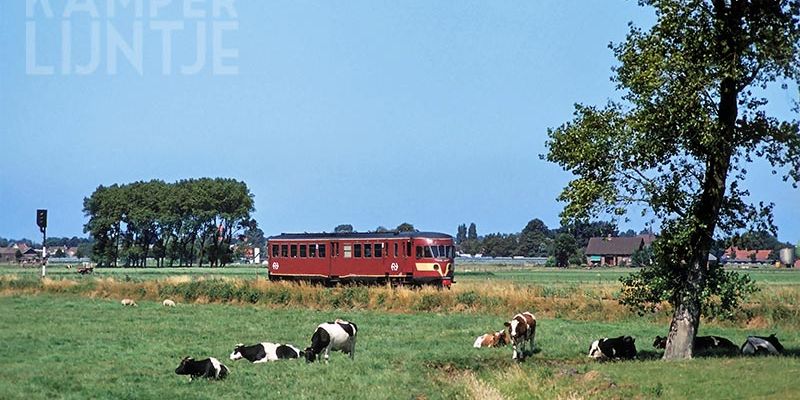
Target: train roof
[{"x": 360, "y": 235}]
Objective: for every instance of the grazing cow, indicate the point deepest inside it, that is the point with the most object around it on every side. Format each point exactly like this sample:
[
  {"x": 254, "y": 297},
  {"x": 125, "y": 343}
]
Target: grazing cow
[
  {"x": 209, "y": 368},
  {"x": 761, "y": 345},
  {"x": 522, "y": 329},
  {"x": 496, "y": 339},
  {"x": 619, "y": 347},
  {"x": 129, "y": 302},
  {"x": 339, "y": 335},
  {"x": 265, "y": 351},
  {"x": 168, "y": 303},
  {"x": 703, "y": 344}
]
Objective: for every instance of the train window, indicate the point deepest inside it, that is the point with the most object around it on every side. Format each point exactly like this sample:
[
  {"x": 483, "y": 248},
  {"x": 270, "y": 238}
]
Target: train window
[
  {"x": 368, "y": 250},
  {"x": 408, "y": 249},
  {"x": 275, "y": 248},
  {"x": 293, "y": 250},
  {"x": 396, "y": 250},
  {"x": 284, "y": 250},
  {"x": 336, "y": 249},
  {"x": 321, "y": 251},
  {"x": 312, "y": 250},
  {"x": 419, "y": 251},
  {"x": 348, "y": 251},
  {"x": 303, "y": 252},
  {"x": 378, "y": 250},
  {"x": 357, "y": 250}
]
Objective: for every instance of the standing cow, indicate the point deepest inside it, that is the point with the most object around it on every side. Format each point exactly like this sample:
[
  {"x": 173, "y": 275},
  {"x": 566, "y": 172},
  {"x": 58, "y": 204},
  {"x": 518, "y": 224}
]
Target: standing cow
[
  {"x": 339, "y": 335},
  {"x": 522, "y": 329}
]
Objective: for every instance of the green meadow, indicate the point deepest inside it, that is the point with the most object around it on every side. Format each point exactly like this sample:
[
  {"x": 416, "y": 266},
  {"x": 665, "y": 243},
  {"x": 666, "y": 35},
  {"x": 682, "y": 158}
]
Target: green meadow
[{"x": 70, "y": 338}]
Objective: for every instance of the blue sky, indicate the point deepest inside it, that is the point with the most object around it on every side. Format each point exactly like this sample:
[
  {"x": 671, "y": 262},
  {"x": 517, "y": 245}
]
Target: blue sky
[{"x": 362, "y": 112}]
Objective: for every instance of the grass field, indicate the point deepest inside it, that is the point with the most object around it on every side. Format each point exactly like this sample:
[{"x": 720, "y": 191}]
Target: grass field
[{"x": 74, "y": 343}]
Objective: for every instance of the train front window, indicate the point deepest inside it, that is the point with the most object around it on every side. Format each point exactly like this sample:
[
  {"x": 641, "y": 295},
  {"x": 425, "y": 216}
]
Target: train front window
[{"x": 440, "y": 251}]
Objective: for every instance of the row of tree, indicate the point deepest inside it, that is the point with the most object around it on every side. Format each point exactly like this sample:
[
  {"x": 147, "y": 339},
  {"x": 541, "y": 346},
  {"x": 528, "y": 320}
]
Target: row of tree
[
  {"x": 186, "y": 222},
  {"x": 536, "y": 239}
]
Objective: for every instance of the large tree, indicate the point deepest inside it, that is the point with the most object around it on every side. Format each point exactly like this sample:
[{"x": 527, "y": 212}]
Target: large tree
[{"x": 691, "y": 118}]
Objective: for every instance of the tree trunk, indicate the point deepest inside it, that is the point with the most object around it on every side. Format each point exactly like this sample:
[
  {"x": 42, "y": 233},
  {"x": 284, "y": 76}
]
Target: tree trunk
[{"x": 682, "y": 331}]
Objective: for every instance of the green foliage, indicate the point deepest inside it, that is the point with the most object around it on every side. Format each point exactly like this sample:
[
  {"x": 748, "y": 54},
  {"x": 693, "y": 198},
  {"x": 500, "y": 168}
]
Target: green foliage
[
  {"x": 406, "y": 227},
  {"x": 642, "y": 257},
  {"x": 535, "y": 239},
  {"x": 692, "y": 117},
  {"x": 190, "y": 220},
  {"x": 565, "y": 246},
  {"x": 461, "y": 234},
  {"x": 343, "y": 228}
]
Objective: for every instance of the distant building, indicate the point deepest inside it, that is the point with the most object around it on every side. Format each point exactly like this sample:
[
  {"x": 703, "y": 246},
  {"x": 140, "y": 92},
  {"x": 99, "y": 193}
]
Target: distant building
[
  {"x": 737, "y": 256},
  {"x": 8, "y": 255},
  {"x": 613, "y": 251}
]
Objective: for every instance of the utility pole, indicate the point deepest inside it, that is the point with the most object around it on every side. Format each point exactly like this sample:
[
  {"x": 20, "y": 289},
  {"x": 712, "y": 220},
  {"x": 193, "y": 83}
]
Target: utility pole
[{"x": 41, "y": 220}]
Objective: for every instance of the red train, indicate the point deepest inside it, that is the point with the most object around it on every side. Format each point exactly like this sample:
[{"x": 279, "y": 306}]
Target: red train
[{"x": 393, "y": 257}]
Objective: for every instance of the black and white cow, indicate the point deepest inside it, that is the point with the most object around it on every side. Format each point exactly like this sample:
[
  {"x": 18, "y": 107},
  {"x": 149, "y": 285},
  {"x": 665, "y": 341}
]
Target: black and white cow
[
  {"x": 339, "y": 335},
  {"x": 209, "y": 368},
  {"x": 615, "y": 348},
  {"x": 522, "y": 330},
  {"x": 265, "y": 351},
  {"x": 703, "y": 344},
  {"x": 762, "y": 345}
]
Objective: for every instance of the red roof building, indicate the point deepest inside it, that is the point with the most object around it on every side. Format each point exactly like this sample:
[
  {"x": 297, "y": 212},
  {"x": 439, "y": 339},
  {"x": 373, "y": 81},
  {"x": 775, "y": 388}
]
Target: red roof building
[{"x": 735, "y": 255}]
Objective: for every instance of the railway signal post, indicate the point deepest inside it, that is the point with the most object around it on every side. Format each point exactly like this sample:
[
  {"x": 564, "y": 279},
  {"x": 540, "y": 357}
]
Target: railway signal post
[{"x": 41, "y": 221}]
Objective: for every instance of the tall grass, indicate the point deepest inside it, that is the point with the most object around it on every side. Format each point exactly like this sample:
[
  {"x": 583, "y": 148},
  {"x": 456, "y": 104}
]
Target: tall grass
[{"x": 773, "y": 306}]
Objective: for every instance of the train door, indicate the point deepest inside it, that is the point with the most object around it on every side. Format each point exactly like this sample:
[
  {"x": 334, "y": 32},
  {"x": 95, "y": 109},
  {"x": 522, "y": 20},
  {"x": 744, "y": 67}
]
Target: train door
[{"x": 342, "y": 258}]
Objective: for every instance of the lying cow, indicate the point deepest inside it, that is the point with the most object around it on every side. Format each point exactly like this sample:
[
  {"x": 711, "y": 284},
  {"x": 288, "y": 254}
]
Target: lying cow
[
  {"x": 703, "y": 344},
  {"x": 522, "y": 329},
  {"x": 497, "y": 339},
  {"x": 265, "y": 351},
  {"x": 761, "y": 345},
  {"x": 168, "y": 303},
  {"x": 622, "y": 347},
  {"x": 209, "y": 368},
  {"x": 337, "y": 336}
]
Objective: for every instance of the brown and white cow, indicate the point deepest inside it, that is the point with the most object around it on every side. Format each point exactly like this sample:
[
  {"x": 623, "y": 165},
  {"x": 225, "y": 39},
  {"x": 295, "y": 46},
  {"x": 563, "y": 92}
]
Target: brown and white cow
[
  {"x": 496, "y": 339},
  {"x": 522, "y": 329}
]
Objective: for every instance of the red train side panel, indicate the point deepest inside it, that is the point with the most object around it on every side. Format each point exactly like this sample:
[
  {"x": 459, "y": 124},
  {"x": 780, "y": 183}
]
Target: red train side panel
[{"x": 407, "y": 257}]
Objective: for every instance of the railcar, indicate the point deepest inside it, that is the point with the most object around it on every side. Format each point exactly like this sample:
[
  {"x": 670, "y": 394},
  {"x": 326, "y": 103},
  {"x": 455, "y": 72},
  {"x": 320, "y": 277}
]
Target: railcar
[{"x": 392, "y": 257}]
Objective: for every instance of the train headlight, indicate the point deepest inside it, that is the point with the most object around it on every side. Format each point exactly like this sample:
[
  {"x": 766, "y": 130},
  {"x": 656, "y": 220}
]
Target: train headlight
[{"x": 435, "y": 267}]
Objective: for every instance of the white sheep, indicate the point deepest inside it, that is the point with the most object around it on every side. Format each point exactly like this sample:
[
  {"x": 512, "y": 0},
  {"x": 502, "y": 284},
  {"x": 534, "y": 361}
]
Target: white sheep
[
  {"x": 168, "y": 303},
  {"x": 129, "y": 302}
]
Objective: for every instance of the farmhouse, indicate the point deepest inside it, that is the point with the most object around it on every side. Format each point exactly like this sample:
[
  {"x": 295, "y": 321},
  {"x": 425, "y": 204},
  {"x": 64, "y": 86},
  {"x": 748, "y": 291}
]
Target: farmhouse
[
  {"x": 736, "y": 256},
  {"x": 614, "y": 251},
  {"x": 8, "y": 255}
]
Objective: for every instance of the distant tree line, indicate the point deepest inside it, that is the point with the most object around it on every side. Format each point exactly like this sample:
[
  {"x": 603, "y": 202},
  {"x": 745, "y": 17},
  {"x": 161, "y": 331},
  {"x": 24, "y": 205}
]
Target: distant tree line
[
  {"x": 188, "y": 222},
  {"x": 404, "y": 227},
  {"x": 535, "y": 240},
  {"x": 566, "y": 245}
]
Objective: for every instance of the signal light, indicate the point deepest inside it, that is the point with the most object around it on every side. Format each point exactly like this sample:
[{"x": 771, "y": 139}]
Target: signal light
[{"x": 41, "y": 218}]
